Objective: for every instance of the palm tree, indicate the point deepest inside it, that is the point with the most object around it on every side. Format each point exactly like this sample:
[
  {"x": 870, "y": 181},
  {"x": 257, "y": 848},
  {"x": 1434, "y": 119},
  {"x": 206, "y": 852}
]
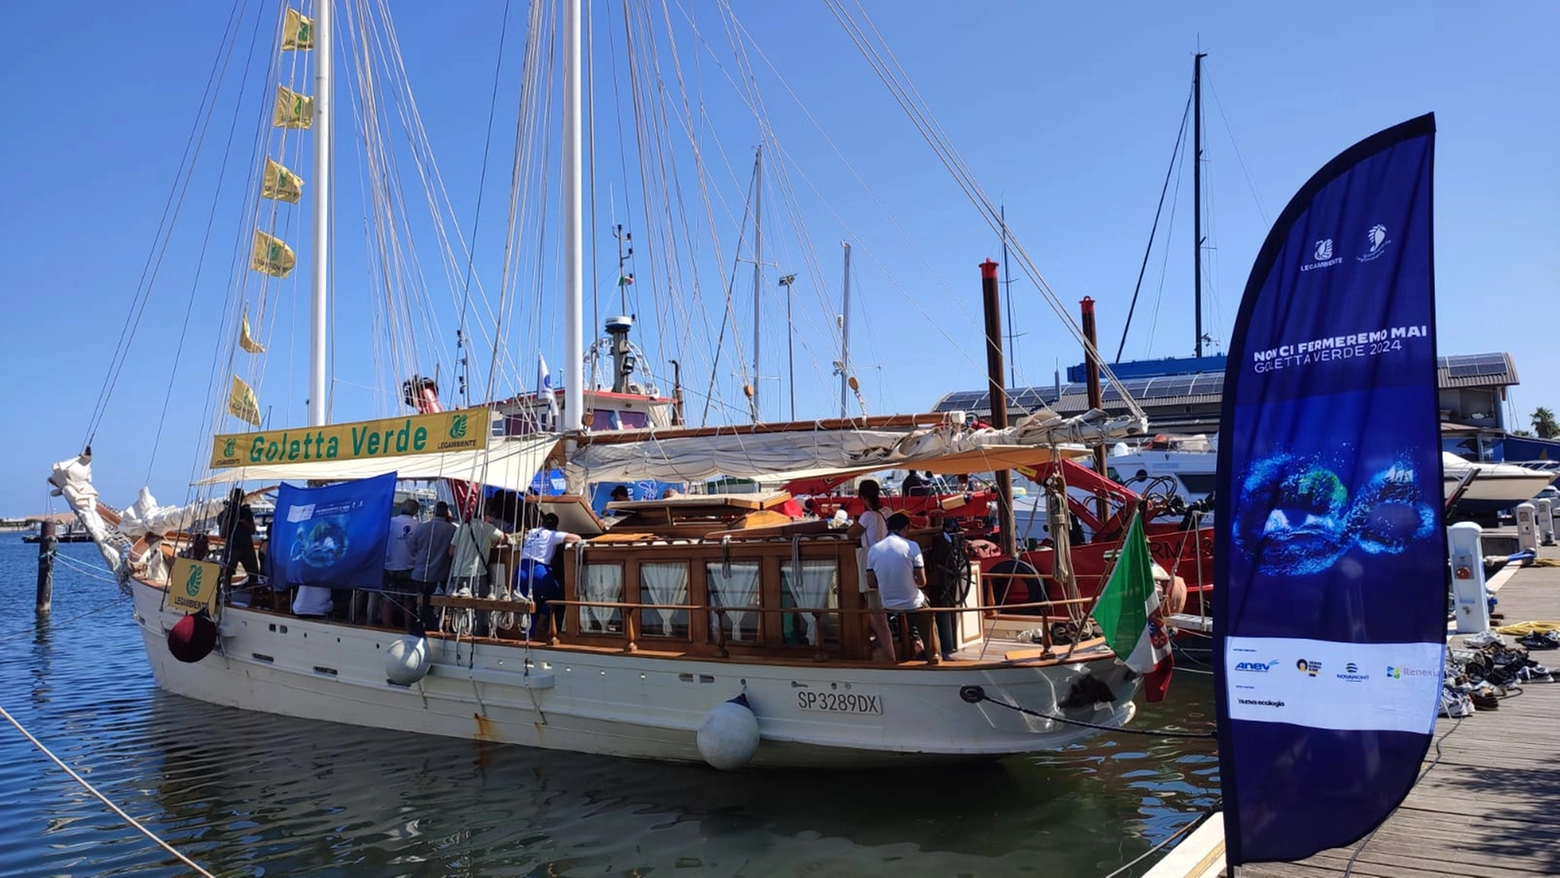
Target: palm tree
[{"x": 1544, "y": 423}]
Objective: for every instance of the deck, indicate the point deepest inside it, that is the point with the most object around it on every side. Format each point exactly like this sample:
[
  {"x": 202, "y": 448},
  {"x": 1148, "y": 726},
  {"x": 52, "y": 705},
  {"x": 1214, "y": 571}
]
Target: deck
[{"x": 1487, "y": 805}]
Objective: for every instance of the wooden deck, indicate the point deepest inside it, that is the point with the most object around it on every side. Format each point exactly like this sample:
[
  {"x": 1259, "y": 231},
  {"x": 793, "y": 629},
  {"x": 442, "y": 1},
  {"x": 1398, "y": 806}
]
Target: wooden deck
[{"x": 1488, "y": 806}]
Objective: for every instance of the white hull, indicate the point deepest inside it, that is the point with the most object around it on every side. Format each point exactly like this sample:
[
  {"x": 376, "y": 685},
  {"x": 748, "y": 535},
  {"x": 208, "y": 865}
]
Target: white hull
[{"x": 623, "y": 704}]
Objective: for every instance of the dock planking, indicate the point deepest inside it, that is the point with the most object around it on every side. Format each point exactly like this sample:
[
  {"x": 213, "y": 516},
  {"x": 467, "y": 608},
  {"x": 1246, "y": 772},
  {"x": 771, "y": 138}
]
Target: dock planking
[{"x": 1488, "y": 805}]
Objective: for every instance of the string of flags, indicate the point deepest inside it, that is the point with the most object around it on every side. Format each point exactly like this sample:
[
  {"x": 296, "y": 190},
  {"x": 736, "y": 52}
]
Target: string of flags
[{"x": 269, "y": 254}]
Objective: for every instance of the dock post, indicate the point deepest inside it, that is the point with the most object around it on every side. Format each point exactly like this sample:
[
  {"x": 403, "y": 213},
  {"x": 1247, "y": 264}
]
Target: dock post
[{"x": 46, "y": 544}]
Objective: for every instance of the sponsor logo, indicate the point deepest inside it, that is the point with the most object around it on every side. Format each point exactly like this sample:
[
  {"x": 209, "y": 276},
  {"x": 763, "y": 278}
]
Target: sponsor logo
[
  {"x": 1351, "y": 674},
  {"x": 1256, "y": 667},
  {"x": 1397, "y": 672},
  {"x": 1322, "y": 252},
  {"x": 1260, "y": 702},
  {"x": 1376, "y": 242},
  {"x": 1308, "y": 666},
  {"x": 1351, "y": 668}
]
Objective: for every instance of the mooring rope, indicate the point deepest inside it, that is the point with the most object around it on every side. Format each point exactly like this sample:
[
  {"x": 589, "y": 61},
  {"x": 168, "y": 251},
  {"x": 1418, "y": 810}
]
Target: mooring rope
[
  {"x": 102, "y": 798},
  {"x": 977, "y": 694},
  {"x": 1171, "y": 837}
]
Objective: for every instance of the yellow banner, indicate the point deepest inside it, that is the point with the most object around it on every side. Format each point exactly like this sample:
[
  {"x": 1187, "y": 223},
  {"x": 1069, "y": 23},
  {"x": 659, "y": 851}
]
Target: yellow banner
[
  {"x": 242, "y": 403},
  {"x": 247, "y": 341},
  {"x": 192, "y": 586},
  {"x": 272, "y": 256},
  {"x": 280, "y": 184},
  {"x": 460, "y": 430},
  {"x": 297, "y": 31},
  {"x": 293, "y": 110}
]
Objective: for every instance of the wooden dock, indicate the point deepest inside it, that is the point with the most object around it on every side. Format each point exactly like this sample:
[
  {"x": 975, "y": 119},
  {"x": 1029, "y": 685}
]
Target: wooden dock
[{"x": 1489, "y": 804}]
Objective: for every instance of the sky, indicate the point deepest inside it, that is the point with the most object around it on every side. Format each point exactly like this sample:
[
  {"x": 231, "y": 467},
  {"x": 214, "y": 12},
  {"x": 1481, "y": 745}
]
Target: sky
[{"x": 1064, "y": 113}]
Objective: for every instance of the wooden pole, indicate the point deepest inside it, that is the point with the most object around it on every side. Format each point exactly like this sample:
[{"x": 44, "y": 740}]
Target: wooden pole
[
  {"x": 1091, "y": 353},
  {"x": 991, "y": 300},
  {"x": 46, "y": 544}
]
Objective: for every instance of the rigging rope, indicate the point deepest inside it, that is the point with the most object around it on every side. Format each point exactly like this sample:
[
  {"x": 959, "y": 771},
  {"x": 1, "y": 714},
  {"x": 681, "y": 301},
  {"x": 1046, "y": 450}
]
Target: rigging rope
[
  {"x": 975, "y": 694},
  {"x": 1180, "y": 138},
  {"x": 891, "y": 73},
  {"x": 476, "y": 219},
  {"x": 102, "y": 798},
  {"x": 170, "y": 215}
]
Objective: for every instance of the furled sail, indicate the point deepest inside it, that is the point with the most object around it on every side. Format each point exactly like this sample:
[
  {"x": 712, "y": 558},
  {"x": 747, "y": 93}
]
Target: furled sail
[
  {"x": 767, "y": 453},
  {"x": 145, "y": 516},
  {"x": 72, "y": 480},
  {"x": 1330, "y": 626}
]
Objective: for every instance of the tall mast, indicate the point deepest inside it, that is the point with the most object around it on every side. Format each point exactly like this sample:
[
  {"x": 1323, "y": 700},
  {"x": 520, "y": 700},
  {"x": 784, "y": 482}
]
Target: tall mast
[
  {"x": 319, "y": 292},
  {"x": 845, "y": 340},
  {"x": 1007, "y": 299},
  {"x": 758, "y": 261},
  {"x": 1197, "y": 236},
  {"x": 573, "y": 225}
]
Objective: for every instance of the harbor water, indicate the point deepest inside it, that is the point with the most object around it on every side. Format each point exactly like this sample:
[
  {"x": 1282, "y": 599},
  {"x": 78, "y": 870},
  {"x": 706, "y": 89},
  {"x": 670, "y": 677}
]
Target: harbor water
[{"x": 246, "y": 793}]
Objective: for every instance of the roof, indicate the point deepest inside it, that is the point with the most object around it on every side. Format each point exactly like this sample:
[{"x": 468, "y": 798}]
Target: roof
[{"x": 1204, "y": 388}]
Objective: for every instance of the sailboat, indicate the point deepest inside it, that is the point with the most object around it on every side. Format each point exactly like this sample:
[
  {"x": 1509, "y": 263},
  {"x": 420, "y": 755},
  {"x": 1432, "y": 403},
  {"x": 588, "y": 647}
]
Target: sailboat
[{"x": 698, "y": 628}]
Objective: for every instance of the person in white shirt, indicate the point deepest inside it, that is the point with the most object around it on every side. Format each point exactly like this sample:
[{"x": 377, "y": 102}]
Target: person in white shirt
[
  {"x": 897, "y": 572},
  {"x": 535, "y": 578},
  {"x": 870, "y": 527},
  {"x": 397, "y": 585}
]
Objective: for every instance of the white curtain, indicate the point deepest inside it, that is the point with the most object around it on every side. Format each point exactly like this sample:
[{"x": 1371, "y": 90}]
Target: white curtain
[
  {"x": 602, "y": 582},
  {"x": 734, "y": 585},
  {"x": 665, "y": 584},
  {"x": 814, "y": 588}
]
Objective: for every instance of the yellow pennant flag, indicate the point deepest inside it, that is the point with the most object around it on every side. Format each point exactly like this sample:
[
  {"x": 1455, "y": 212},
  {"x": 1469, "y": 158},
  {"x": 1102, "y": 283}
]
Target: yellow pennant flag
[
  {"x": 293, "y": 110},
  {"x": 297, "y": 31},
  {"x": 247, "y": 341},
  {"x": 271, "y": 256},
  {"x": 242, "y": 403},
  {"x": 280, "y": 183}
]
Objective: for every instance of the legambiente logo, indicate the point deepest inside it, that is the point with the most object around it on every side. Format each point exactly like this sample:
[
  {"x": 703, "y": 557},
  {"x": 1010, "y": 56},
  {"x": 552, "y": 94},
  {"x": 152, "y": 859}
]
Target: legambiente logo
[{"x": 1260, "y": 702}]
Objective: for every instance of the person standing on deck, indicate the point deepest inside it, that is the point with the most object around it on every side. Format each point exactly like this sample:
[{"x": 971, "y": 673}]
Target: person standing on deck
[
  {"x": 431, "y": 553},
  {"x": 469, "y": 549},
  {"x": 397, "y": 585},
  {"x": 535, "y": 578},
  {"x": 871, "y": 527},
  {"x": 897, "y": 573}
]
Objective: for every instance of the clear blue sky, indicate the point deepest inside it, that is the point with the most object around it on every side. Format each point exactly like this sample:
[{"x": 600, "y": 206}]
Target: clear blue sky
[{"x": 1066, "y": 112}]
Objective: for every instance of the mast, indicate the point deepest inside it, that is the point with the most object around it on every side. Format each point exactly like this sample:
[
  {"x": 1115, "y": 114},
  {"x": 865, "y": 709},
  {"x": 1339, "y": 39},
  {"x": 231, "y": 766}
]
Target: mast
[
  {"x": 758, "y": 260},
  {"x": 1007, "y": 296},
  {"x": 573, "y": 228},
  {"x": 1197, "y": 236},
  {"x": 845, "y": 340},
  {"x": 319, "y": 292},
  {"x": 991, "y": 300}
]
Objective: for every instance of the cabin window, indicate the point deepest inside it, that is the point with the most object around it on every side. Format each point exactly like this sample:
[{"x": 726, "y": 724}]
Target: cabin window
[
  {"x": 663, "y": 584},
  {"x": 735, "y": 585},
  {"x": 1199, "y": 483},
  {"x": 601, "y": 582},
  {"x": 817, "y": 586}
]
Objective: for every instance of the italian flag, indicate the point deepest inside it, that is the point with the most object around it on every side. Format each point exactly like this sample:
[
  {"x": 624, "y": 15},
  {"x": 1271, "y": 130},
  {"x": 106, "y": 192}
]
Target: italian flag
[{"x": 1128, "y": 611}]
